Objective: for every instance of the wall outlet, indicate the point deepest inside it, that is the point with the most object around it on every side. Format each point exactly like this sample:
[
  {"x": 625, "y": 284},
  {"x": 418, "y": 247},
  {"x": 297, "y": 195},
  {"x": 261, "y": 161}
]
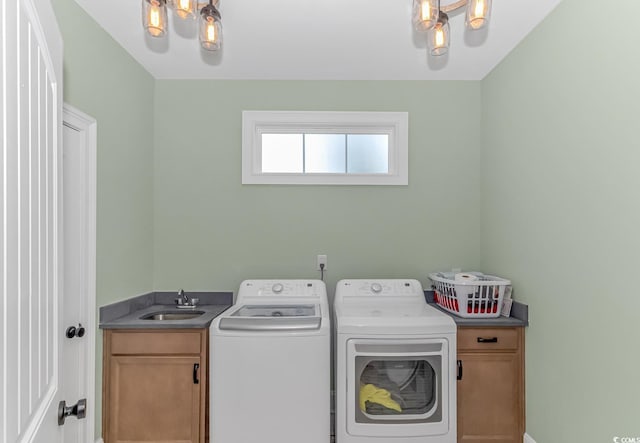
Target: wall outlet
[{"x": 321, "y": 260}]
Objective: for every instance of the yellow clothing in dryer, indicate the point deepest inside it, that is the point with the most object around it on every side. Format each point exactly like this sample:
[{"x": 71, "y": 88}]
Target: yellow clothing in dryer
[{"x": 378, "y": 395}]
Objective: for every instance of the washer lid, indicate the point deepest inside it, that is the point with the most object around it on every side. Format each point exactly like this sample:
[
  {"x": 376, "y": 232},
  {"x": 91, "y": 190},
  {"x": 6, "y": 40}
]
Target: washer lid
[
  {"x": 264, "y": 317},
  {"x": 276, "y": 311}
]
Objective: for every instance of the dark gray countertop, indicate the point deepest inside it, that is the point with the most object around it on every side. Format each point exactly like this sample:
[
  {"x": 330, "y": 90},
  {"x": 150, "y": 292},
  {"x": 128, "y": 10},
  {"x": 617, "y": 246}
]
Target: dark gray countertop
[
  {"x": 519, "y": 315},
  {"x": 127, "y": 314}
]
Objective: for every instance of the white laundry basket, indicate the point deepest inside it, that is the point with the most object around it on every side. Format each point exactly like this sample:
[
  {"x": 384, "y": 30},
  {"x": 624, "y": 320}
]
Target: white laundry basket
[{"x": 478, "y": 297}]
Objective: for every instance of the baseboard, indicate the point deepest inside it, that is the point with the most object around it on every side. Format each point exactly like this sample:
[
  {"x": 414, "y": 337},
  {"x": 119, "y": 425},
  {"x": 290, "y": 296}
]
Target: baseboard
[{"x": 528, "y": 438}]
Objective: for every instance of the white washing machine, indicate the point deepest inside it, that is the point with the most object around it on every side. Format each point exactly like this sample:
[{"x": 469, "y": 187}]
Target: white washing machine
[
  {"x": 270, "y": 365},
  {"x": 395, "y": 365}
]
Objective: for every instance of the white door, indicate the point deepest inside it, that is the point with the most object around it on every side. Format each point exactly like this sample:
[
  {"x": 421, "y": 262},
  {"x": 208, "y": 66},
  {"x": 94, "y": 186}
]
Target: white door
[
  {"x": 31, "y": 239},
  {"x": 78, "y": 317}
]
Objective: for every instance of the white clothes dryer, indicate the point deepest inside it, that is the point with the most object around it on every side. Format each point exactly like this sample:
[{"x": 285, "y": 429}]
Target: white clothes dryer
[
  {"x": 270, "y": 365},
  {"x": 395, "y": 365}
]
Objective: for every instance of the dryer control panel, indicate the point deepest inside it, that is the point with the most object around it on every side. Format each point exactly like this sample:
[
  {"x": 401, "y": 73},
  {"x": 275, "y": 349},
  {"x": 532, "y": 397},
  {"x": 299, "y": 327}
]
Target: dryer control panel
[
  {"x": 281, "y": 288},
  {"x": 408, "y": 288}
]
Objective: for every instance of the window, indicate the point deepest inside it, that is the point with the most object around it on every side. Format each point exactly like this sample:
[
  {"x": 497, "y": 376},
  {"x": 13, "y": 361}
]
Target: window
[{"x": 331, "y": 148}]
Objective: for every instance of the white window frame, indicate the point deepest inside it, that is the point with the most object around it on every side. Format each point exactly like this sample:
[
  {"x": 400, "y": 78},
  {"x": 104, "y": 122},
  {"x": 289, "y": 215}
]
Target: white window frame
[{"x": 256, "y": 123}]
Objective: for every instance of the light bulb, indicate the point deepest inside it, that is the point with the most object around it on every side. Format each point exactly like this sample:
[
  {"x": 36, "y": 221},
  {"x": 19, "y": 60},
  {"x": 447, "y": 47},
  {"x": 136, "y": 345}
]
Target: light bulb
[
  {"x": 478, "y": 12},
  {"x": 425, "y": 14},
  {"x": 439, "y": 36},
  {"x": 185, "y": 8},
  {"x": 210, "y": 28},
  {"x": 154, "y": 17},
  {"x": 424, "y": 8}
]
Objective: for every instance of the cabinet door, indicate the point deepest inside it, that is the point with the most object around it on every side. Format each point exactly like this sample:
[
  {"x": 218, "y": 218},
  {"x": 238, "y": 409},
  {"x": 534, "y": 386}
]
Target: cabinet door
[
  {"x": 490, "y": 398},
  {"x": 154, "y": 399}
]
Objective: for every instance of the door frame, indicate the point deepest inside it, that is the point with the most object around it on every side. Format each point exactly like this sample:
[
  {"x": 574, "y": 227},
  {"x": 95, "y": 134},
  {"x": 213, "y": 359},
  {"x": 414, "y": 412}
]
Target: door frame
[{"x": 87, "y": 126}]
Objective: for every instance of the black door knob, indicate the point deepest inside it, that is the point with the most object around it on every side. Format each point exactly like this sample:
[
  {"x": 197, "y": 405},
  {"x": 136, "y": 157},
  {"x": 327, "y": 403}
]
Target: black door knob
[
  {"x": 79, "y": 410},
  {"x": 71, "y": 332}
]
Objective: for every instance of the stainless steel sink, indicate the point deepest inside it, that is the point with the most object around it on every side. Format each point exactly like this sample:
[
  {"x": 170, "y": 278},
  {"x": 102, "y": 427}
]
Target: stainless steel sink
[{"x": 171, "y": 315}]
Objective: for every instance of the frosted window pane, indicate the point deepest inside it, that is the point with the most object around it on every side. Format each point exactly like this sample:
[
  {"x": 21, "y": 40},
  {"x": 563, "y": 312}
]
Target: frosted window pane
[
  {"x": 324, "y": 153},
  {"x": 282, "y": 153},
  {"x": 367, "y": 153}
]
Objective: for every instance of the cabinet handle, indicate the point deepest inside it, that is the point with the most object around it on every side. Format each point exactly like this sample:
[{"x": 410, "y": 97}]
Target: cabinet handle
[
  {"x": 459, "y": 369},
  {"x": 196, "y": 366},
  {"x": 488, "y": 340}
]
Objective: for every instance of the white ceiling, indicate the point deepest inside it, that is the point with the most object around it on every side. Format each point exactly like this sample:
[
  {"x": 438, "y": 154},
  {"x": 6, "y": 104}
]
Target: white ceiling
[{"x": 319, "y": 40}]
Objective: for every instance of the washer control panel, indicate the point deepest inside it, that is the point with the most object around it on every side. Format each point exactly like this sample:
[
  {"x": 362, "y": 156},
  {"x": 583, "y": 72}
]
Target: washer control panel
[{"x": 281, "y": 288}]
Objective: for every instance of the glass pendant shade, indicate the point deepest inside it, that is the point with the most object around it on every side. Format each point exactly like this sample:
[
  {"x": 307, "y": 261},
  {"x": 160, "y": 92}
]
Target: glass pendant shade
[
  {"x": 210, "y": 28},
  {"x": 185, "y": 9},
  {"x": 478, "y": 13},
  {"x": 425, "y": 14},
  {"x": 154, "y": 17},
  {"x": 438, "y": 38}
]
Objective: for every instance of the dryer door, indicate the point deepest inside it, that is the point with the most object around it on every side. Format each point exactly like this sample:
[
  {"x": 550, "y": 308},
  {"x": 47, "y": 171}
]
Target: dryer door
[{"x": 398, "y": 388}]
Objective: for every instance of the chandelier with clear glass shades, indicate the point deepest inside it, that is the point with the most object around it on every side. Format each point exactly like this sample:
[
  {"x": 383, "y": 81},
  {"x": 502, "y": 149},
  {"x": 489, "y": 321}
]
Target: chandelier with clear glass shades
[
  {"x": 154, "y": 19},
  {"x": 430, "y": 17}
]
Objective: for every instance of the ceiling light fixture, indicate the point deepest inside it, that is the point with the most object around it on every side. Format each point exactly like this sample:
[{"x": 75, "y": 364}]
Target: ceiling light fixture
[
  {"x": 431, "y": 17},
  {"x": 154, "y": 19}
]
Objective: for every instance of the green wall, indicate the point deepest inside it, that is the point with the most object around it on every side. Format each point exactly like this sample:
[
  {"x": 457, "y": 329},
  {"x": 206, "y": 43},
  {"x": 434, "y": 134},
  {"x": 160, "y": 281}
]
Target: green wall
[
  {"x": 541, "y": 189},
  {"x": 211, "y": 232},
  {"x": 561, "y": 210},
  {"x": 104, "y": 81}
]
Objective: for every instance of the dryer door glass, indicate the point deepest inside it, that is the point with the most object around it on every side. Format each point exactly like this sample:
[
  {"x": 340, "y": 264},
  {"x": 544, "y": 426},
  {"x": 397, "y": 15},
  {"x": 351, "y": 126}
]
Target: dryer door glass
[{"x": 393, "y": 388}]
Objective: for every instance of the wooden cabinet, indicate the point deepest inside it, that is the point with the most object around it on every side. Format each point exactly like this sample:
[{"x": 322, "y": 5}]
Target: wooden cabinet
[
  {"x": 154, "y": 385},
  {"x": 491, "y": 391}
]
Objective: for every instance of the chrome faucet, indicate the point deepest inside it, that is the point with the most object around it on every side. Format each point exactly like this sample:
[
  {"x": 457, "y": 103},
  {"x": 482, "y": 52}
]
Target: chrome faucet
[
  {"x": 184, "y": 297},
  {"x": 183, "y": 300}
]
